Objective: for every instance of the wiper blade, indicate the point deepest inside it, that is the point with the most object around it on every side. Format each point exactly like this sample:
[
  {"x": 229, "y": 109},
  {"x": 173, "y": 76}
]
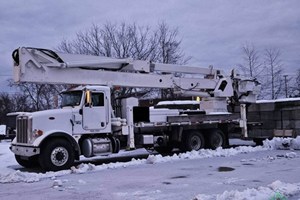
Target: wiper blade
[{"x": 68, "y": 105}]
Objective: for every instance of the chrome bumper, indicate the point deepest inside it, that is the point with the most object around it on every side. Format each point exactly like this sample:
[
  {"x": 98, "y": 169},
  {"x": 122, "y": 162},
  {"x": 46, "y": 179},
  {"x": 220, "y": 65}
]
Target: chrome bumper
[{"x": 25, "y": 151}]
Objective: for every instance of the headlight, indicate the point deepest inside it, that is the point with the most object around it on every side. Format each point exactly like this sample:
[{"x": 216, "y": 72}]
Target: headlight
[{"x": 37, "y": 133}]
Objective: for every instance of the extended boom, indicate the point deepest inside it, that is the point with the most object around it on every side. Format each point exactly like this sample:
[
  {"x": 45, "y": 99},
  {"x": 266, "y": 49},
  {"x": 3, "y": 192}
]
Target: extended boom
[{"x": 46, "y": 66}]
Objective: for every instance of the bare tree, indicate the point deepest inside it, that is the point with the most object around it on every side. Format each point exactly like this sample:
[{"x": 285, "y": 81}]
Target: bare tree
[
  {"x": 12, "y": 103},
  {"x": 295, "y": 89},
  {"x": 168, "y": 50},
  {"x": 113, "y": 41},
  {"x": 19, "y": 103},
  {"x": 297, "y": 80},
  {"x": 252, "y": 65},
  {"x": 274, "y": 73},
  {"x": 128, "y": 40},
  {"x": 38, "y": 96},
  {"x": 5, "y": 106}
]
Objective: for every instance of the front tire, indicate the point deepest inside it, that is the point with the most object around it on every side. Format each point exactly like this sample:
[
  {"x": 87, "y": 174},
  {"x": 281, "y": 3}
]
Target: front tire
[
  {"x": 29, "y": 162},
  {"x": 57, "y": 154}
]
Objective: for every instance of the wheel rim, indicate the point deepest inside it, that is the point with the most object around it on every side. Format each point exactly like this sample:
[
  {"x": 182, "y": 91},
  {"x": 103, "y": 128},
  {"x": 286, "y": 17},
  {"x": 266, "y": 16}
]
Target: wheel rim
[
  {"x": 217, "y": 140},
  {"x": 195, "y": 142},
  {"x": 59, "y": 156}
]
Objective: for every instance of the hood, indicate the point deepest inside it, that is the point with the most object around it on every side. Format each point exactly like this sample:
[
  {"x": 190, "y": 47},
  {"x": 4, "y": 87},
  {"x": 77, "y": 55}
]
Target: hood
[
  {"x": 57, "y": 120},
  {"x": 52, "y": 113}
]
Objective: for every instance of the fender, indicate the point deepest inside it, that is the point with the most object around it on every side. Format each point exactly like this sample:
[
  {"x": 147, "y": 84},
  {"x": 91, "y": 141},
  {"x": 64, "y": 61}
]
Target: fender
[{"x": 41, "y": 141}]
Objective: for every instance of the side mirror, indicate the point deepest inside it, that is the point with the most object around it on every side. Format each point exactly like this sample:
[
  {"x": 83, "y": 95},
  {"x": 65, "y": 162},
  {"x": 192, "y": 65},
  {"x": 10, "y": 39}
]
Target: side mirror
[{"x": 88, "y": 99}]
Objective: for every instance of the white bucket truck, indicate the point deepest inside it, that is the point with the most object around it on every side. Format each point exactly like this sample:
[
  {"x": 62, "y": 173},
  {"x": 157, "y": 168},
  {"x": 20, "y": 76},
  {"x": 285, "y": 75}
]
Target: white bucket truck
[{"x": 87, "y": 125}]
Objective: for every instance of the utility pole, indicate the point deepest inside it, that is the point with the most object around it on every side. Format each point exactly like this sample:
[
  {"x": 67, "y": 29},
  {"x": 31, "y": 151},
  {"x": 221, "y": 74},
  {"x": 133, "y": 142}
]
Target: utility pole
[{"x": 285, "y": 83}]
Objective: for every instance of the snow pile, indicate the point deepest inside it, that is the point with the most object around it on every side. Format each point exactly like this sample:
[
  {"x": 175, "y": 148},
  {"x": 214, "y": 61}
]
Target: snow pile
[
  {"x": 283, "y": 143},
  {"x": 82, "y": 168},
  {"x": 286, "y": 189},
  {"x": 60, "y": 185},
  {"x": 57, "y": 183},
  {"x": 204, "y": 153},
  {"x": 276, "y": 190},
  {"x": 18, "y": 176}
]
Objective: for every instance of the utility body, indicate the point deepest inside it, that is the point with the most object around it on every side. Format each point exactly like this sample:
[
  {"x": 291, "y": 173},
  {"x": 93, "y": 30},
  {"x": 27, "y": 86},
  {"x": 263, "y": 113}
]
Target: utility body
[{"x": 86, "y": 124}]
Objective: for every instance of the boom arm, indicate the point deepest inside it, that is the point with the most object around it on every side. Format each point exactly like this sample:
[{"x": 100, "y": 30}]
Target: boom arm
[{"x": 46, "y": 66}]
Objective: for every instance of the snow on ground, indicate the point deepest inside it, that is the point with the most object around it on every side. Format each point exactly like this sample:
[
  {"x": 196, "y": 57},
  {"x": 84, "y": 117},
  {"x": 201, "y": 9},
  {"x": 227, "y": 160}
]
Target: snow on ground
[
  {"x": 275, "y": 191},
  {"x": 18, "y": 176},
  {"x": 279, "y": 188}
]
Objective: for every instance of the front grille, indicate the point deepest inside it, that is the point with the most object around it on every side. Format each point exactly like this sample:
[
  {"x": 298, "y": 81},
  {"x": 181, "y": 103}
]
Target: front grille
[{"x": 23, "y": 129}]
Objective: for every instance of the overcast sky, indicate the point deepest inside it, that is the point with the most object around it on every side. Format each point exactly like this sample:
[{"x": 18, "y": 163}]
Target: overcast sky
[{"x": 212, "y": 31}]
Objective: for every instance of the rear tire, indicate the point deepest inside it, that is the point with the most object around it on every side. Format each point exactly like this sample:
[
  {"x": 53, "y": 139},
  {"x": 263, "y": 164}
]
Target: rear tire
[
  {"x": 193, "y": 141},
  {"x": 29, "y": 162},
  {"x": 57, "y": 154},
  {"x": 216, "y": 139}
]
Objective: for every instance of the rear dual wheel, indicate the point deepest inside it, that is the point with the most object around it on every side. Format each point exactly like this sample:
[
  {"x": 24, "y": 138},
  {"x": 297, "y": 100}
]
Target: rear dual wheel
[
  {"x": 216, "y": 139},
  {"x": 193, "y": 140}
]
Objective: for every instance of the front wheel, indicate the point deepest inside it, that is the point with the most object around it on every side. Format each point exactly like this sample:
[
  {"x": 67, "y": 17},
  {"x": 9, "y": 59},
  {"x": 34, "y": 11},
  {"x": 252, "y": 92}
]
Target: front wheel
[
  {"x": 28, "y": 162},
  {"x": 57, "y": 154}
]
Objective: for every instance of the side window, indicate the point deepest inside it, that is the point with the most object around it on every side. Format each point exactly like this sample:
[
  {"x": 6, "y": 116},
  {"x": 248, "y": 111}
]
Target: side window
[{"x": 98, "y": 99}]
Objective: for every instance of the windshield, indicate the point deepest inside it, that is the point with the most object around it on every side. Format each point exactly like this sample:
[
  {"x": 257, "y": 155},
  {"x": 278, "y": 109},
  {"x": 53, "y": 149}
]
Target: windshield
[{"x": 71, "y": 98}]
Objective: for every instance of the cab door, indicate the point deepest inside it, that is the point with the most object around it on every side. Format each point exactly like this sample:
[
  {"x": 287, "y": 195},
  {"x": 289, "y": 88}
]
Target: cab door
[{"x": 96, "y": 112}]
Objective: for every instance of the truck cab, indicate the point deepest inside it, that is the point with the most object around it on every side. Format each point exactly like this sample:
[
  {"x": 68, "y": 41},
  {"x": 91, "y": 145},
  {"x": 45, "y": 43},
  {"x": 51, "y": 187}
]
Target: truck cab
[{"x": 85, "y": 110}]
